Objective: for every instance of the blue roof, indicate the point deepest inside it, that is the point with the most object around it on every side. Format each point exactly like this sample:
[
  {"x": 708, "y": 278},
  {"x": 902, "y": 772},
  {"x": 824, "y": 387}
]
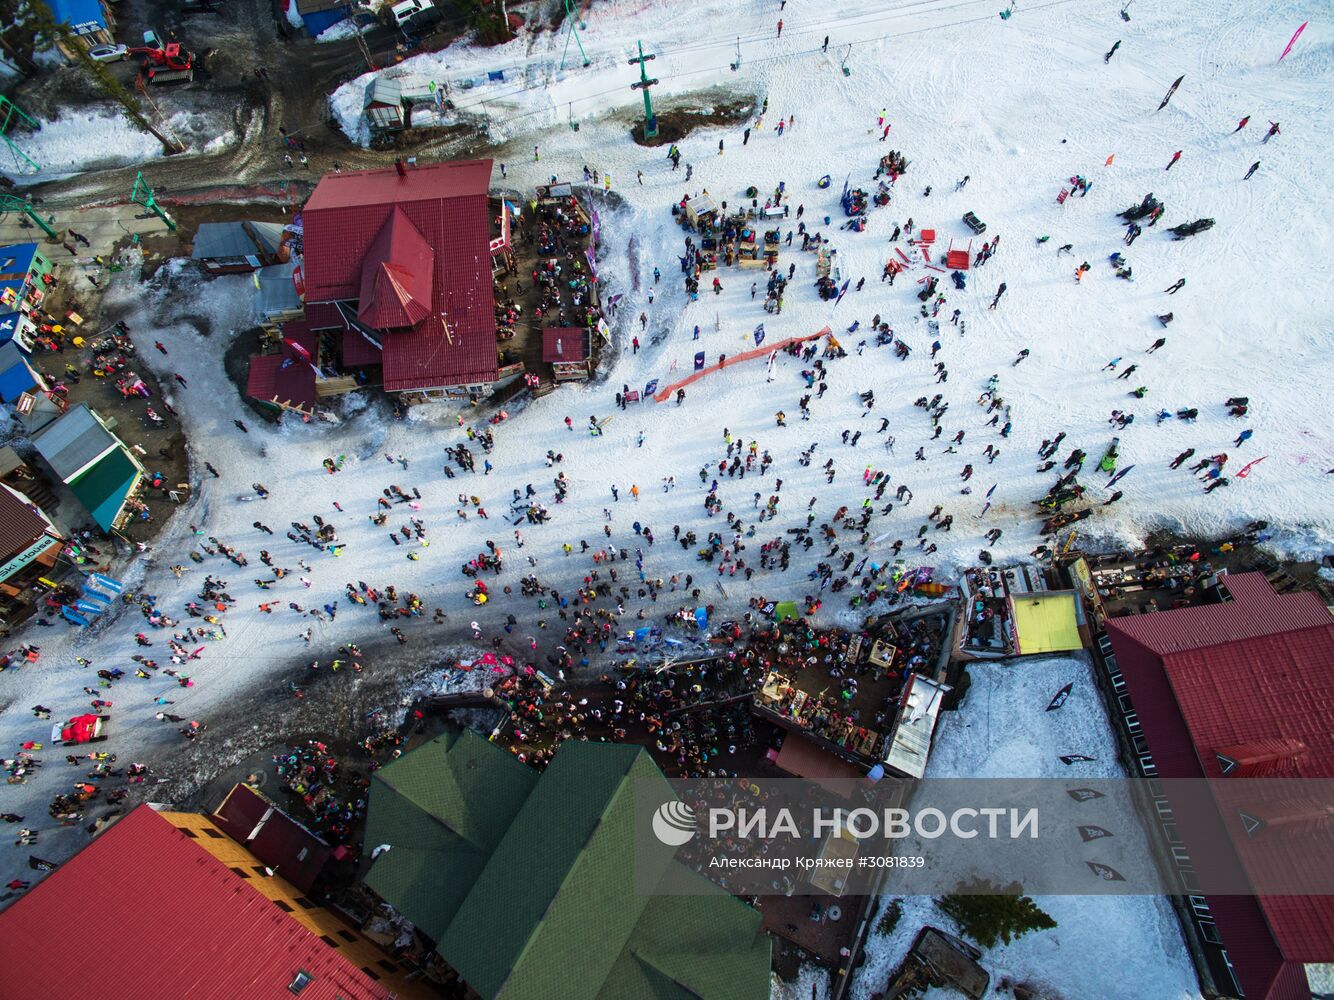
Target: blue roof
[
  {"x": 15, "y": 376},
  {"x": 17, "y": 258},
  {"x": 9, "y": 325},
  {"x": 81, "y": 15}
]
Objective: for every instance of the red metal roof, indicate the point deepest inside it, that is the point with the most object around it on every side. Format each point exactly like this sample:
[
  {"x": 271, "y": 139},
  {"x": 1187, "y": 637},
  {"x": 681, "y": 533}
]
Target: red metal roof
[
  {"x": 564, "y": 343},
  {"x": 357, "y": 350},
  {"x": 396, "y": 276},
  {"x": 272, "y": 836},
  {"x": 269, "y": 381},
  {"x": 446, "y": 203},
  {"x": 179, "y": 924},
  {"x": 1256, "y": 669},
  {"x": 20, "y": 525},
  {"x": 422, "y": 182}
]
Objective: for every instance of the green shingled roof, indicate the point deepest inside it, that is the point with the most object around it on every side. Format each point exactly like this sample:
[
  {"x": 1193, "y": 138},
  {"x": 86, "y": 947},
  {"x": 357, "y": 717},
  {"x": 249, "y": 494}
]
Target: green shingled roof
[
  {"x": 442, "y": 809},
  {"x": 551, "y": 908}
]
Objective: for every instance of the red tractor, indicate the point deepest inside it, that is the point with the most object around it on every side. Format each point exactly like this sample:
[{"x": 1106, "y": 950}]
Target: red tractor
[
  {"x": 168, "y": 64},
  {"x": 85, "y": 728}
]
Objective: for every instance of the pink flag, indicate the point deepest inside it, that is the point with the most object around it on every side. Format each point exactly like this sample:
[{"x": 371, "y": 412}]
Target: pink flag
[
  {"x": 1245, "y": 470},
  {"x": 1293, "y": 41}
]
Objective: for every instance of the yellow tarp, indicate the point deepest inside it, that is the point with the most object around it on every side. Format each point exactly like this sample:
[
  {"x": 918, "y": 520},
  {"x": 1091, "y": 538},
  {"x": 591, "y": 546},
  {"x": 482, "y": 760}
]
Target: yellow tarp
[{"x": 1046, "y": 623}]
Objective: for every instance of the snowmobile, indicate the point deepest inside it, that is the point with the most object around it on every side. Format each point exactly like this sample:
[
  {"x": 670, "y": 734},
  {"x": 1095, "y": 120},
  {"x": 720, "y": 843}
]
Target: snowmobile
[
  {"x": 1054, "y": 524},
  {"x": 1142, "y": 209},
  {"x": 1191, "y": 228},
  {"x": 1108, "y": 463}
]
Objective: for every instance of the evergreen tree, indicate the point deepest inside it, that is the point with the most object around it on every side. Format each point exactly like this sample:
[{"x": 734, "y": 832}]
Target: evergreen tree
[{"x": 988, "y": 913}]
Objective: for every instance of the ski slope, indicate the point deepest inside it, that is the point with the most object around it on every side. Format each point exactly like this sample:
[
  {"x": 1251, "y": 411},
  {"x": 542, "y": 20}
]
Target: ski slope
[{"x": 1018, "y": 106}]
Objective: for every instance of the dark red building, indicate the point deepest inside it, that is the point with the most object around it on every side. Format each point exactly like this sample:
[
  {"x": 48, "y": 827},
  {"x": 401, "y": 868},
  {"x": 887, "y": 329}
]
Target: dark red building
[
  {"x": 395, "y": 275},
  {"x": 1235, "y": 690},
  {"x": 144, "y": 911}
]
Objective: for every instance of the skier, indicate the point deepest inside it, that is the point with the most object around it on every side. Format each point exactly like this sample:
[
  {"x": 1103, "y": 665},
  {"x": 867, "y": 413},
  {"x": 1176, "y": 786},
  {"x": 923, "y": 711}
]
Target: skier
[
  {"x": 1273, "y": 131},
  {"x": 1113, "y": 498},
  {"x": 1175, "y": 156},
  {"x": 1180, "y": 284},
  {"x": 1022, "y": 354},
  {"x": 1128, "y": 372},
  {"x": 1000, "y": 290},
  {"x": 1111, "y": 52},
  {"x": 780, "y": 28},
  {"x": 1242, "y": 124},
  {"x": 1254, "y": 167},
  {"x": 1243, "y": 437},
  {"x": 1156, "y": 344}
]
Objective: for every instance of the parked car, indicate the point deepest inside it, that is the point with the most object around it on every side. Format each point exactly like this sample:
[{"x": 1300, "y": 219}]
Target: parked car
[
  {"x": 974, "y": 223},
  {"x": 107, "y": 53},
  {"x": 413, "y": 10},
  {"x": 152, "y": 41}
]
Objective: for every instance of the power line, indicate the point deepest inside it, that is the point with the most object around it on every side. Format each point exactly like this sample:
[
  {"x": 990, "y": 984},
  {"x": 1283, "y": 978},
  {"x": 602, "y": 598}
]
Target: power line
[{"x": 763, "y": 60}]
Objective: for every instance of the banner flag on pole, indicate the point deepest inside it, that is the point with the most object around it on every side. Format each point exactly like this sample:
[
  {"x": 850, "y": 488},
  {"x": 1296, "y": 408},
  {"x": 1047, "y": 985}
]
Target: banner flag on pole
[{"x": 759, "y": 335}]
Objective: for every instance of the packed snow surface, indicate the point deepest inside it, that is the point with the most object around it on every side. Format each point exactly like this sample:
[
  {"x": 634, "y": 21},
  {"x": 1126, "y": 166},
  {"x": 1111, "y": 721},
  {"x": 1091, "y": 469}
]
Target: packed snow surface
[
  {"x": 86, "y": 139},
  {"x": 1019, "y": 107}
]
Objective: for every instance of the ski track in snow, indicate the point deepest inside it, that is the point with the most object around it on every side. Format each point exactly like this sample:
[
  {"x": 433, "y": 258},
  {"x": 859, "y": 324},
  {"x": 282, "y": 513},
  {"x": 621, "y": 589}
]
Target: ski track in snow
[{"x": 990, "y": 99}]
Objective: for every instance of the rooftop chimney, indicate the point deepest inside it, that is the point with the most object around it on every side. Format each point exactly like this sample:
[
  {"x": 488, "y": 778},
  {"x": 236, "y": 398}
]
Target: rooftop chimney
[{"x": 402, "y": 170}]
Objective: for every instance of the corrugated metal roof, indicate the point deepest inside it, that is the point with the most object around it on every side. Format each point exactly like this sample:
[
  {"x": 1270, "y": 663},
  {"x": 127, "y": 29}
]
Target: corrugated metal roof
[
  {"x": 424, "y": 182},
  {"x": 564, "y": 343},
  {"x": 1254, "y": 610},
  {"x": 277, "y": 293},
  {"x": 179, "y": 924},
  {"x": 1257, "y": 668},
  {"x": 20, "y": 525},
  {"x": 357, "y": 350},
  {"x": 396, "y": 276},
  {"x": 293, "y": 386},
  {"x": 447, "y": 206},
  {"x": 272, "y": 836},
  {"x": 16, "y": 377},
  {"x": 73, "y": 442}
]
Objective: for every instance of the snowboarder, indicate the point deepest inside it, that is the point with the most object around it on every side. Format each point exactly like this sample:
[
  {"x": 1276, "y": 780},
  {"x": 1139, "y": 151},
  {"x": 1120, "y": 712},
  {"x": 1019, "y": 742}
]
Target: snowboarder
[
  {"x": 1000, "y": 290},
  {"x": 1113, "y": 498},
  {"x": 1180, "y": 284},
  {"x": 1175, "y": 156},
  {"x": 1254, "y": 167},
  {"x": 1022, "y": 354},
  {"x": 1111, "y": 52},
  {"x": 1242, "y": 124},
  {"x": 1243, "y": 437}
]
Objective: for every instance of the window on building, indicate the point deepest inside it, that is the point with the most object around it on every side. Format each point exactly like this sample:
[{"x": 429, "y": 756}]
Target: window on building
[
  {"x": 305, "y": 903},
  {"x": 347, "y": 935},
  {"x": 210, "y": 832},
  {"x": 260, "y": 871},
  {"x": 241, "y": 872},
  {"x": 370, "y": 972},
  {"x": 189, "y": 833},
  {"x": 300, "y": 981},
  {"x": 283, "y": 905},
  {"x": 387, "y": 965},
  {"x": 329, "y": 941}
]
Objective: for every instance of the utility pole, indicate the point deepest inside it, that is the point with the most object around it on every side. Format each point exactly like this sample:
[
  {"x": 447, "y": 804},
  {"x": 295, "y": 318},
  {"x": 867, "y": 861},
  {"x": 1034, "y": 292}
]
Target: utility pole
[
  {"x": 650, "y": 119},
  {"x": 143, "y": 195},
  {"x": 571, "y": 28}
]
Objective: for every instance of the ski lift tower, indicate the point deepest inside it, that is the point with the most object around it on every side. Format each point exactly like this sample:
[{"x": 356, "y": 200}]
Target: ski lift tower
[
  {"x": 650, "y": 119},
  {"x": 142, "y": 194},
  {"x": 572, "y": 26},
  {"x": 12, "y": 202},
  {"x": 10, "y": 111}
]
